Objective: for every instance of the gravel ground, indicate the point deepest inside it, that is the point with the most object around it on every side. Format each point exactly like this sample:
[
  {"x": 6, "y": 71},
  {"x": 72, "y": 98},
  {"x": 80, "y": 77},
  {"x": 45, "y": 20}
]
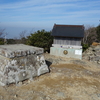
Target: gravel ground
[{"x": 69, "y": 79}]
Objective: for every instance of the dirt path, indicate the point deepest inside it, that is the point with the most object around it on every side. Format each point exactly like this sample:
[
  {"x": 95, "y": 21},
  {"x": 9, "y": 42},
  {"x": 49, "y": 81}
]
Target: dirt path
[{"x": 73, "y": 80}]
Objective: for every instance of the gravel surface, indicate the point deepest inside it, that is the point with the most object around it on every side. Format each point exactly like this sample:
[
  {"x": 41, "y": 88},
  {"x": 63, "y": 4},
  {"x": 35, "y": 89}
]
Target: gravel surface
[{"x": 69, "y": 79}]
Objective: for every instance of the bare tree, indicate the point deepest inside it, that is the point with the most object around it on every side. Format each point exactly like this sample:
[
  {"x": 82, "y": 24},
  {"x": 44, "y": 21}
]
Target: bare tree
[
  {"x": 2, "y": 33},
  {"x": 89, "y": 35},
  {"x": 3, "y": 38},
  {"x": 22, "y": 34},
  {"x": 22, "y": 37}
]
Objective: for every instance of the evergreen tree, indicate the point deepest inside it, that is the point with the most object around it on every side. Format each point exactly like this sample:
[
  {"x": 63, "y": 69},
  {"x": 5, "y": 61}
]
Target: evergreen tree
[
  {"x": 98, "y": 33},
  {"x": 41, "y": 38}
]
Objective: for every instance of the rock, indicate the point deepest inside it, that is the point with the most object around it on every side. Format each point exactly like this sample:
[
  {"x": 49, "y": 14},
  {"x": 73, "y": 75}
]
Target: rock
[
  {"x": 92, "y": 54},
  {"x": 98, "y": 62},
  {"x": 48, "y": 98},
  {"x": 1, "y": 97},
  {"x": 96, "y": 58},
  {"x": 29, "y": 81},
  {"x": 20, "y": 83},
  {"x": 15, "y": 96},
  {"x": 95, "y": 97},
  {"x": 61, "y": 94},
  {"x": 20, "y": 62},
  {"x": 98, "y": 53}
]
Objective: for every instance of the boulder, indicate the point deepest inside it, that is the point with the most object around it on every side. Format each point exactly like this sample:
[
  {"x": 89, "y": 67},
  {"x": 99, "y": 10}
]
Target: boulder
[
  {"x": 20, "y": 62},
  {"x": 92, "y": 54}
]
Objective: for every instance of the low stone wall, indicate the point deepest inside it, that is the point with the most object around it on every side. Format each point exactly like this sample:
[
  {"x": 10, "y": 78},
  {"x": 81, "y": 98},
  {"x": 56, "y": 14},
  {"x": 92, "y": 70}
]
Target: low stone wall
[
  {"x": 20, "y": 62},
  {"x": 92, "y": 54}
]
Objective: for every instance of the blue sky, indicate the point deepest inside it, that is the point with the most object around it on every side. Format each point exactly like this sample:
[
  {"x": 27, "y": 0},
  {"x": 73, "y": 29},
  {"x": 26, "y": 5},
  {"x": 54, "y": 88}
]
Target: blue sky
[{"x": 32, "y": 15}]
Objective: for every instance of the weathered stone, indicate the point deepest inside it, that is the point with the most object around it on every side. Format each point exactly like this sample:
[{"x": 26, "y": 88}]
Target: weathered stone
[
  {"x": 97, "y": 58},
  {"x": 92, "y": 54},
  {"x": 15, "y": 96},
  {"x": 11, "y": 51},
  {"x": 20, "y": 62},
  {"x": 61, "y": 94},
  {"x": 98, "y": 53},
  {"x": 98, "y": 61},
  {"x": 20, "y": 83}
]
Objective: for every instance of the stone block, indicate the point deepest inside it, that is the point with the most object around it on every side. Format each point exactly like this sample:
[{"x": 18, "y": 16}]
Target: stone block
[{"x": 20, "y": 62}]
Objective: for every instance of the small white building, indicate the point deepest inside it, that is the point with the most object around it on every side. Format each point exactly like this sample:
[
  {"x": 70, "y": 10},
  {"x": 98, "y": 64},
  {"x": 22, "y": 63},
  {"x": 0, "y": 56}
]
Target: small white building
[{"x": 67, "y": 41}]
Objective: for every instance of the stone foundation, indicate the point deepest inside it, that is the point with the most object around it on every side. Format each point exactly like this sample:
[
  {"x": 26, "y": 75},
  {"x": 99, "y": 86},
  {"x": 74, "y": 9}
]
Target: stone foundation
[
  {"x": 66, "y": 52},
  {"x": 20, "y": 62}
]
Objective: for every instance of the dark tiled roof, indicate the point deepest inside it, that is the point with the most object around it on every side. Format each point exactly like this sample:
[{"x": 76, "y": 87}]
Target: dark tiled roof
[{"x": 68, "y": 31}]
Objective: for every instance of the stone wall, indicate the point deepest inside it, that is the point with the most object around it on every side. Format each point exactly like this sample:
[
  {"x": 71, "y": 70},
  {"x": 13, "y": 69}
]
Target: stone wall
[{"x": 20, "y": 62}]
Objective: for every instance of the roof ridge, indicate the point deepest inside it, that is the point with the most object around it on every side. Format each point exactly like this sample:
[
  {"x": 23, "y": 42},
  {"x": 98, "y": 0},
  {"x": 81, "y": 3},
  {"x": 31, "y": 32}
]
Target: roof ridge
[{"x": 69, "y": 25}]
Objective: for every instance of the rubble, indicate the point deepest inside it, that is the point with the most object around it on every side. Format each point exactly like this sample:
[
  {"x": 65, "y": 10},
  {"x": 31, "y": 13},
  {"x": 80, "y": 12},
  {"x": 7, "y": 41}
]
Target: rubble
[
  {"x": 20, "y": 62},
  {"x": 92, "y": 54}
]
